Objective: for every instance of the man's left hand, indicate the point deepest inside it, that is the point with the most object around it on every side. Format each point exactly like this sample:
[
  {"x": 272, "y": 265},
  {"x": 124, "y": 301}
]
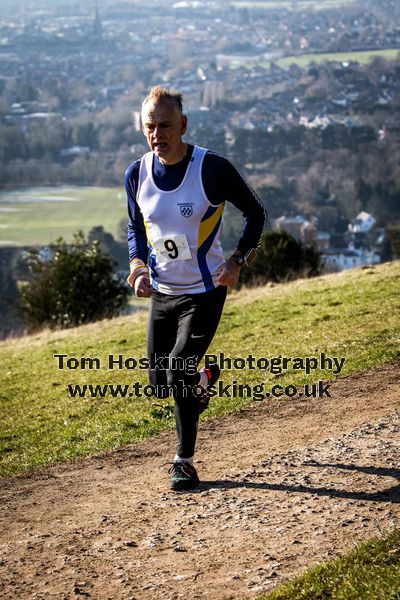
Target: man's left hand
[{"x": 228, "y": 274}]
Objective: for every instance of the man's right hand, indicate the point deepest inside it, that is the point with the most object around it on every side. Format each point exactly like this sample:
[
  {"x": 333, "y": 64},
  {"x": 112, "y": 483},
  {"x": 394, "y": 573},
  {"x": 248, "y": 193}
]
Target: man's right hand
[{"x": 141, "y": 285}]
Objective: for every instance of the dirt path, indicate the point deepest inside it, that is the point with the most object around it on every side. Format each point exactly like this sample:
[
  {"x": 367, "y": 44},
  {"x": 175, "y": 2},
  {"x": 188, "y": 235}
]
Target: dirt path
[{"x": 285, "y": 486}]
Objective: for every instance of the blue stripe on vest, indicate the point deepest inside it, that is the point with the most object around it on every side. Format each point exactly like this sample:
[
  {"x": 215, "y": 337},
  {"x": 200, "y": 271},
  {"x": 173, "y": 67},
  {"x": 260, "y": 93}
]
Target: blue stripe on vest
[
  {"x": 210, "y": 211},
  {"x": 202, "y": 258}
]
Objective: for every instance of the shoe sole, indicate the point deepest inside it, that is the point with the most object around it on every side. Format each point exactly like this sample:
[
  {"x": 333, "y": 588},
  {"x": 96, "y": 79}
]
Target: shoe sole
[{"x": 184, "y": 485}]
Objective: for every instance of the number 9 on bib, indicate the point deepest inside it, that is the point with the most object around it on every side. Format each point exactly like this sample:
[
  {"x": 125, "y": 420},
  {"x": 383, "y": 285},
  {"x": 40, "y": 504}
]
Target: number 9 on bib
[{"x": 172, "y": 247}]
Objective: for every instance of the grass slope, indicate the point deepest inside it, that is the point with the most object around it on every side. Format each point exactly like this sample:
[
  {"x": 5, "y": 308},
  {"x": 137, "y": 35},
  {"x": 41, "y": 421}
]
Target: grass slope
[
  {"x": 371, "y": 571},
  {"x": 352, "y": 315},
  {"x": 41, "y": 215}
]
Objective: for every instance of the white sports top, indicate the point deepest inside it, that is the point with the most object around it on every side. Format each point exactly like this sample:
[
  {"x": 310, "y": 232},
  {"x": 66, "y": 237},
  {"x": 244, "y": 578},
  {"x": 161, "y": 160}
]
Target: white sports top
[{"x": 182, "y": 229}]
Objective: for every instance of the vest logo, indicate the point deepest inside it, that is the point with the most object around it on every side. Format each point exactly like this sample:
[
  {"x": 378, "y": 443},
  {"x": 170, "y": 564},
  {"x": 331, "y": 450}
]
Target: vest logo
[{"x": 186, "y": 209}]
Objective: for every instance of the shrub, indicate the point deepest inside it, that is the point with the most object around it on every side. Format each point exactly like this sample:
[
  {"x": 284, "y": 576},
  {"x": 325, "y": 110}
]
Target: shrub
[
  {"x": 281, "y": 258},
  {"x": 73, "y": 284}
]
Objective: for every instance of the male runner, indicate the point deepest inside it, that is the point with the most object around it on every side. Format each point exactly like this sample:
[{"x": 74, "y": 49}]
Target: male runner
[{"x": 176, "y": 194}]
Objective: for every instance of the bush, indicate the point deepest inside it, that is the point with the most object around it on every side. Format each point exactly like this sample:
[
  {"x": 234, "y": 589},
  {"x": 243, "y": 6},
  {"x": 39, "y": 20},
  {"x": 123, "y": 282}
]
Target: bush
[
  {"x": 74, "y": 284},
  {"x": 282, "y": 258},
  {"x": 393, "y": 234}
]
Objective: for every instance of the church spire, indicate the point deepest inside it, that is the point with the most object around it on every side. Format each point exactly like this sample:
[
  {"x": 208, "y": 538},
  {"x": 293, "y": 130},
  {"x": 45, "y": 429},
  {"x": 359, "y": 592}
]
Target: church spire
[{"x": 97, "y": 27}]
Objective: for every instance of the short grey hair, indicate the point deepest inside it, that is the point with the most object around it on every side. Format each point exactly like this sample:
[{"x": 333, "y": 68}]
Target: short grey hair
[{"x": 159, "y": 94}]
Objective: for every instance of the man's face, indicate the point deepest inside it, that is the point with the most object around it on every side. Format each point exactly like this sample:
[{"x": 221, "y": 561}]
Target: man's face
[{"x": 163, "y": 126}]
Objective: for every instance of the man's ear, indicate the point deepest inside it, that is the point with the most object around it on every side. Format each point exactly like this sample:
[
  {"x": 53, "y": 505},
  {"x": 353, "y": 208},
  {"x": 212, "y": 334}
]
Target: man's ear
[{"x": 183, "y": 124}]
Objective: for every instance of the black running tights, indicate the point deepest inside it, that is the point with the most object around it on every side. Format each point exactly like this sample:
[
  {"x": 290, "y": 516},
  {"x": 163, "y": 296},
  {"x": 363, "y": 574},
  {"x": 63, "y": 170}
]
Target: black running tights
[{"x": 180, "y": 330}]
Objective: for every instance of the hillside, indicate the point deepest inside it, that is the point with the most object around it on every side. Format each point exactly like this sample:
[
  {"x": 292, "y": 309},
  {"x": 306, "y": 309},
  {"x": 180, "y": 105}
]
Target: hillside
[
  {"x": 352, "y": 316},
  {"x": 286, "y": 483}
]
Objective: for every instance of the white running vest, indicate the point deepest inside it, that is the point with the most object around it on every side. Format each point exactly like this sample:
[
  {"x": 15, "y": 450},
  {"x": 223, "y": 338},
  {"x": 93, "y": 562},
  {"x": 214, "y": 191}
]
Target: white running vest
[{"x": 182, "y": 229}]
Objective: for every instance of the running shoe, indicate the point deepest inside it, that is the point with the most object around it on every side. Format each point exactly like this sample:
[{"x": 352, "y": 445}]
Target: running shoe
[
  {"x": 183, "y": 476},
  {"x": 212, "y": 374}
]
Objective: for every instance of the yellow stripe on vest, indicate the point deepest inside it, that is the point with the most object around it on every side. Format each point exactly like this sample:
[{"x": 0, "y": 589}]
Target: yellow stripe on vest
[
  {"x": 146, "y": 227},
  {"x": 207, "y": 226}
]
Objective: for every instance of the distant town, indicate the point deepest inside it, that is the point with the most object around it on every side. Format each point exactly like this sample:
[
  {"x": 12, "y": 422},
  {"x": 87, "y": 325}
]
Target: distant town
[
  {"x": 305, "y": 102},
  {"x": 71, "y": 60}
]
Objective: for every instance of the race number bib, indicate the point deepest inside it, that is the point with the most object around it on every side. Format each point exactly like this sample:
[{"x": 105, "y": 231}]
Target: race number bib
[{"x": 172, "y": 247}]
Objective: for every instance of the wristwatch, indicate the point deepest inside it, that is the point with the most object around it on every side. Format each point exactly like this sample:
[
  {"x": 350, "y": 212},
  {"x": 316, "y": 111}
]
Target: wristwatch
[
  {"x": 238, "y": 258},
  {"x": 241, "y": 259}
]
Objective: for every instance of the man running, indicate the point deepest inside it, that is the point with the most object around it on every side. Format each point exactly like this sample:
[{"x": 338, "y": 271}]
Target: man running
[{"x": 176, "y": 195}]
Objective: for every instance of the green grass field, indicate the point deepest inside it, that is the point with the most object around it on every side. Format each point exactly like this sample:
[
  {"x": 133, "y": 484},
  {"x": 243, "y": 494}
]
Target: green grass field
[
  {"x": 304, "y": 60},
  {"x": 369, "y": 572},
  {"x": 360, "y": 57},
  {"x": 352, "y": 315},
  {"x": 291, "y": 5},
  {"x": 41, "y": 215}
]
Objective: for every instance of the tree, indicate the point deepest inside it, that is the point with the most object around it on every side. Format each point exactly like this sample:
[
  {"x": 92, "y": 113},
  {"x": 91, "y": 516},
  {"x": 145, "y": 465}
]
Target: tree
[
  {"x": 117, "y": 250},
  {"x": 71, "y": 285},
  {"x": 393, "y": 234},
  {"x": 10, "y": 317},
  {"x": 281, "y": 258},
  {"x": 84, "y": 132}
]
